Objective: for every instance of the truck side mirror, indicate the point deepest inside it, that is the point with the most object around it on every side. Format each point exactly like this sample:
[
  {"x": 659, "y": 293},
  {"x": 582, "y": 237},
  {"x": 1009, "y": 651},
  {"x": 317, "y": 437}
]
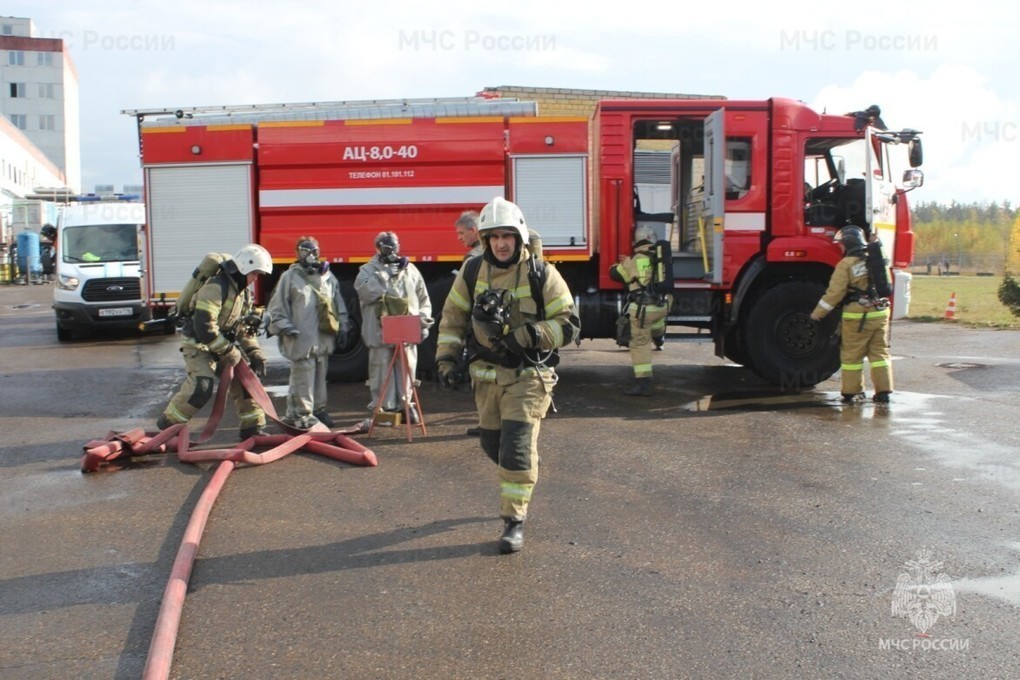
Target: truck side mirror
[
  {"x": 915, "y": 152},
  {"x": 912, "y": 179}
]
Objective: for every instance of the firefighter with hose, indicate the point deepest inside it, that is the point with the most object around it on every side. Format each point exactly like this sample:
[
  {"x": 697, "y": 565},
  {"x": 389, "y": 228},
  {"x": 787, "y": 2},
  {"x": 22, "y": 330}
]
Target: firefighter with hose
[
  {"x": 518, "y": 316},
  {"x": 217, "y": 333},
  {"x": 860, "y": 284}
]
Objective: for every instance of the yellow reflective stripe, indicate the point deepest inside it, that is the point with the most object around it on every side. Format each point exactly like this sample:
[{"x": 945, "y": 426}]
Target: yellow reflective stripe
[
  {"x": 483, "y": 373},
  {"x": 219, "y": 345},
  {"x": 449, "y": 339},
  {"x": 520, "y": 492},
  {"x": 521, "y": 292},
  {"x": 879, "y": 364},
  {"x": 555, "y": 332},
  {"x": 643, "y": 370},
  {"x": 554, "y": 307},
  {"x": 175, "y": 415},
  {"x": 251, "y": 418},
  {"x": 852, "y": 367},
  {"x": 459, "y": 301},
  {"x": 211, "y": 306},
  {"x": 874, "y": 314}
]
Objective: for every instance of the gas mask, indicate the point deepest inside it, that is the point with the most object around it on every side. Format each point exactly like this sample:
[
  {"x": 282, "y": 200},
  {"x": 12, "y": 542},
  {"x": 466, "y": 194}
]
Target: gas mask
[
  {"x": 389, "y": 249},
  {"x": 308, "y": 257},
  {"x": 492, "y": 313}
]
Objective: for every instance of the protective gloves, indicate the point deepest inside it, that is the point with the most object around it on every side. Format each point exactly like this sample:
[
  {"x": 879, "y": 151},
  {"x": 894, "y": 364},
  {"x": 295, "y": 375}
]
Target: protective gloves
[
  {"x": 232, "y": 357},
  {"x": 257, "y": 361},
  {"x": 449, "y": 374},
  {"x": 521, "y": 338}
]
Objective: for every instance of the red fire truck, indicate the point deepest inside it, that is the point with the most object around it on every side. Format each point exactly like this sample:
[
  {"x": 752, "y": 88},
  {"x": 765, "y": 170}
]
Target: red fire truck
[{"x": 756, "y": 191}]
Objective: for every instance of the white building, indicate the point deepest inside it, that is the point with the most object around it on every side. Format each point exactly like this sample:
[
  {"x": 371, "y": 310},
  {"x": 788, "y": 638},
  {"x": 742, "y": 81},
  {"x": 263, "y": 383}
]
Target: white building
[
  {"x": 23, "y": 169},
  {"x": 40, "y": 95}
]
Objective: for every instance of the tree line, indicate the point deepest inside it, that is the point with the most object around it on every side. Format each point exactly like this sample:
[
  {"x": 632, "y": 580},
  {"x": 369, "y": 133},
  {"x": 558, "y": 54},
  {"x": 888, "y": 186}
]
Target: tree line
[{"x": 972, "y": 237}]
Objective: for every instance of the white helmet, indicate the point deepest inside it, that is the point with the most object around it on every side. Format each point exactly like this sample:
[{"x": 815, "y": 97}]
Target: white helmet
[
  {"x": 644, "y": 233},
  {"x": 500, "y": 213},
  {"x": 253, "y": 258}
]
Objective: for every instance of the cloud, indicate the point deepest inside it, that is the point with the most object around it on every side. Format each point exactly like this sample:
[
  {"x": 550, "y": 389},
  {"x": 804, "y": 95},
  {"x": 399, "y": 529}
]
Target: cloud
[{"x": 971, "y": 135}]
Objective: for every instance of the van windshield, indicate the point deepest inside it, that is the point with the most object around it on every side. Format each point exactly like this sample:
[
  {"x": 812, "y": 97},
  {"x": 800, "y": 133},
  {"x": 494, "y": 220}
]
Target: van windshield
[{"x": 100, "y": 243}]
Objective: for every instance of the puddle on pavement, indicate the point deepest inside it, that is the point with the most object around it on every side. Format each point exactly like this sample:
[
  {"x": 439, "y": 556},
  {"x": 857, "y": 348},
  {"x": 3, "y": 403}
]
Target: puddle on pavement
[
  {"x": 917, "y": 419},
  {"x": 763, "y": 400}
]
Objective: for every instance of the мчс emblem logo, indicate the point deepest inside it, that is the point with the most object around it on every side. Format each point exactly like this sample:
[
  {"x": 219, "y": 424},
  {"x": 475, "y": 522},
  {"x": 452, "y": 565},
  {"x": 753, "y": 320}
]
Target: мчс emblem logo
[{"x": 922, "y": 593}]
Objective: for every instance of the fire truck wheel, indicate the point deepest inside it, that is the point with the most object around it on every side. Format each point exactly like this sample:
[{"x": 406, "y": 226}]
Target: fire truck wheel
[
  {"x": 785, "y": 346},
  {"x": 349, "y": 361},
  {"x": 438, "y": 289}
]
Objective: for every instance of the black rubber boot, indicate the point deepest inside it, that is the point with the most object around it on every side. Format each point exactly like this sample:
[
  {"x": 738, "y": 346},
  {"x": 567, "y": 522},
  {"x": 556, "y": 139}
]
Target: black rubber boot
[
  {"x": 512, "y": 539},
  {"x": 882, "y": 397},
  {"x": 853, "y": 398},
  {"x": 324, "y": 418},
  {"x": 642, "y": 387},
  {"x": 251, "y": 432},
  {"x": 162, "y": 423}
]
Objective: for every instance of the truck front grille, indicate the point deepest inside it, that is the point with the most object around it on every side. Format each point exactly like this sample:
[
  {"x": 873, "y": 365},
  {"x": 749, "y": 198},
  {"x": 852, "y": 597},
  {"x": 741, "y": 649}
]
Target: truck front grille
[{"x": 112, "y": 290}]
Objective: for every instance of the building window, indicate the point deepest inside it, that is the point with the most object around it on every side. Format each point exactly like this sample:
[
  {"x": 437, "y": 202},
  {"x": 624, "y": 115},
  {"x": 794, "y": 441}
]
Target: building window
[
  {"x": 16, "y": 58},
  {"x": 7, "y": 29},
  {"x": 47, "y": 122},
  {"x": 17, "y": 90},
  {"x": 47, "y": 91},
  {"x": 44, "y": 59},
  {"x": 19, "y": 120}
]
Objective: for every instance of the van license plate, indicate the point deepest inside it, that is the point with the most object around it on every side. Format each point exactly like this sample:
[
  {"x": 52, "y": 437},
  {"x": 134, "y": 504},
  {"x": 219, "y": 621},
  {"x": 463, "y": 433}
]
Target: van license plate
[{"x": 115, "y": 311}]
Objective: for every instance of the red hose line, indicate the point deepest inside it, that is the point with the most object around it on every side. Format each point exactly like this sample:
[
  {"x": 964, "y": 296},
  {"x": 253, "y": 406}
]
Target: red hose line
[{"x": 161, "y": 650}]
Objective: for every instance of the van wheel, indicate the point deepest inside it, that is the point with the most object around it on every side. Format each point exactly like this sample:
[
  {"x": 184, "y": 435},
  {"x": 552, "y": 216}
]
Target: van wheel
[{"x": 63, "y": 334}]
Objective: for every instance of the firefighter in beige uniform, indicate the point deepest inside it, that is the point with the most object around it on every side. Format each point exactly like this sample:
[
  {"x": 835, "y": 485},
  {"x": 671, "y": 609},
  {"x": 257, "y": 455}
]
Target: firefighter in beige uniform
[
  {"x": 210, "y": 335},
  {"x": 389, "y": 284},
  {"x": 865, "y": 325},
  {"x": 308, "y": 314},
  {"x": 511, "y": 369},
  {"x": 646, "y": 309}
]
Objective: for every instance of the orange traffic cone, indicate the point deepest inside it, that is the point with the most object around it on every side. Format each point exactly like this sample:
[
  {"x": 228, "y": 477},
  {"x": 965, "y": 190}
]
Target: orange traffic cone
[{"x": 951, "y": 307}]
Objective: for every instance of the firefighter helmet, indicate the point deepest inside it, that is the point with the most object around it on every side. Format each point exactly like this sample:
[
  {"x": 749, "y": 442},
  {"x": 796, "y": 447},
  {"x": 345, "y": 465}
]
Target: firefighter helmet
[
  {"x": 500, "y": 213},
  {"x": 852, "y": 238},
  {"x": 253, "y": 258},
  {"x": 644, "y": 233}
]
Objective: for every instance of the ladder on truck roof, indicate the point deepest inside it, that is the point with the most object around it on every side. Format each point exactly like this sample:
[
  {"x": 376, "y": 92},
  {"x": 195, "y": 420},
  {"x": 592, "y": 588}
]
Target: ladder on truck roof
[{"x": 371, "y": 109}]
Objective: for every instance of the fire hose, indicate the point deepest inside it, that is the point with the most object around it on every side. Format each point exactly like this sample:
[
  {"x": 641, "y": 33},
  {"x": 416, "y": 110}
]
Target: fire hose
[{"x": 100, "y": 454}]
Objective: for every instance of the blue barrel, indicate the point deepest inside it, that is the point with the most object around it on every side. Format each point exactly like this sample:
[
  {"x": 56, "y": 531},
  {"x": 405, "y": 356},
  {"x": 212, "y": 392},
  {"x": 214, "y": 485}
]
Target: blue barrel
[{"x": 28, "y": 253}]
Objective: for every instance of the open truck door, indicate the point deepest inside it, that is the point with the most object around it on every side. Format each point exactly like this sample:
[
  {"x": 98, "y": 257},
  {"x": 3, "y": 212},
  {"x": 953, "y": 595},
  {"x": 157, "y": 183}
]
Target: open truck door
[
  {"x": 880, "y": 193},
  {"x": 713, "y": 205}
]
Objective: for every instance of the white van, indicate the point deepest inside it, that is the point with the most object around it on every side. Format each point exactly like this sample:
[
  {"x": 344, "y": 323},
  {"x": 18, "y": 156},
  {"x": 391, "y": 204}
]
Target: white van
[{"x": 97, "y": 267}]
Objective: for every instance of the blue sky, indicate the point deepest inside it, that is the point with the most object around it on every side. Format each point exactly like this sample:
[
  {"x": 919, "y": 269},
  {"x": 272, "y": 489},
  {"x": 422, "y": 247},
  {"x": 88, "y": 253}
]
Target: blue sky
[{"x": 948, "y": 69}]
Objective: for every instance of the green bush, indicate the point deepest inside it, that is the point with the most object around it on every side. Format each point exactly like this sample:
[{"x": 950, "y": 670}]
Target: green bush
[{"x": 1009, "y": 294}]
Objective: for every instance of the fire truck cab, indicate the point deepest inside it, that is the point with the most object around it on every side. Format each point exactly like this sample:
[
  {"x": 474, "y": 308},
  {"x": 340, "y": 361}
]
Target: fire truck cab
[{"x": 759, "y": 188}]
